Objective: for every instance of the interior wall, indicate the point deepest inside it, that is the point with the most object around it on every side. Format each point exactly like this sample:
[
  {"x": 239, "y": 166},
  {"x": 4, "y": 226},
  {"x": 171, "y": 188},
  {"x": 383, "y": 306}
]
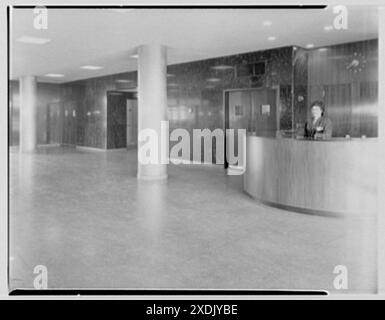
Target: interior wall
[
  {"x": 90, "y": 96},
  {"x": 349, "y": 90},
  {"x": 300, "y": 88},
  {"x": 195, "y": 89},
  {"x": 195, "y": 100},
  {"x": 195, "y": 92}
]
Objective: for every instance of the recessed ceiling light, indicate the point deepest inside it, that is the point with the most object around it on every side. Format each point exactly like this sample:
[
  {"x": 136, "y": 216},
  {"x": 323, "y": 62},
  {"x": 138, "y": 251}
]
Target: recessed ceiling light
[
  {"x": 88, "y": 67},
  {"x": 328, "y": 28},
  {"x": 33, "y": 40},
  {"x": 271, "y": 38},
  {"x": 123, "y": 81},
  {"x": 213, "y": 79},
  {"x": 267, "y": 23},
  {"x": 222, "y": 67},
  {"x": 322, "y": 49},
  {"x": 310, "y": 45},
  {"x": 54, "y": 75},
  {"x": 134, "y": 56}
]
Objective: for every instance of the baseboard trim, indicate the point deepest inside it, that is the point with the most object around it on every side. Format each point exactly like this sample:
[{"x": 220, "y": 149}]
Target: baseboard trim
[
  {"x": 301, "y": 210},
  {"x": 182, "y": 161},
  {"x": 48, "y": 145},
  {"x": 90, "y": 149}
]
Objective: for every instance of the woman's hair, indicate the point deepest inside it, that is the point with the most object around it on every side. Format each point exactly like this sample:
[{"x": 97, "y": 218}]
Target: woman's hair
[{"x": 320, "y": 104}]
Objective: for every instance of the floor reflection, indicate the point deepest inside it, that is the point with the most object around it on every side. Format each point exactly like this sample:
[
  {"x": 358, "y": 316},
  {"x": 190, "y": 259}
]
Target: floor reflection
[{"x": 87, "y": 218}]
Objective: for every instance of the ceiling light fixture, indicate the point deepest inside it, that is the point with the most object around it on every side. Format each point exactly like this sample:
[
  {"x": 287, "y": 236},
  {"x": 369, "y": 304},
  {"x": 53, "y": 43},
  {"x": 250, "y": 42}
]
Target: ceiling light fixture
[
  {"x": 309, "y": 46},
  {"x": 222, "y": 67},
  {"x": 89, "y": 67},
  {"x": 123, "y": 81},
  {"x": 323, "y": 49},
  {"x": 33, "y": 40},
  {"x": 54, "y": 75},
  {"x": 134, "y": 56},
  {"x": 213, "y": 79},
  {"x": 271, "y": 38}
]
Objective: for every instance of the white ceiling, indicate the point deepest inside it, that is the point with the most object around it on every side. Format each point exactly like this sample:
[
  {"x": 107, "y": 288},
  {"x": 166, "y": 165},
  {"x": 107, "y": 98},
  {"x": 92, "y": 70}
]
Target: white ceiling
[{"x": 108, "y": 38}]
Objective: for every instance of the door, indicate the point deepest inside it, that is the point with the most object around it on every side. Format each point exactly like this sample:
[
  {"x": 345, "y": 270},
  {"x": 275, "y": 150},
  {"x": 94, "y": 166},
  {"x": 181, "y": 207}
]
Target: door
[
  {"x": 69, "y": 123},
  {"x": 132, "y": 123},
  {"x": 54, "y": 128},
  {"x": 264, "y": 123},
  {"x": 116, "y": 120},
  {"x": 252, "y": 110}
]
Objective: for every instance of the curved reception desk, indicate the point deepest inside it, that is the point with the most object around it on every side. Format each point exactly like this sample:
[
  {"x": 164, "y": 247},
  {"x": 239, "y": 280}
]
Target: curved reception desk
[{"x": 338, "y": 176}]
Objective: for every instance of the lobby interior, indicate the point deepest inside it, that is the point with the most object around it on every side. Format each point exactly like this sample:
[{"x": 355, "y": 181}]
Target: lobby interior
[{"x": 83, "y": 206}]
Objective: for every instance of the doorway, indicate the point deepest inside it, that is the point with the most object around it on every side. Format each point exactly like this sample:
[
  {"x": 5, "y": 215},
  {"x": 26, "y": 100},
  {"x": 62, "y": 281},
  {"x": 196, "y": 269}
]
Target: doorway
[
  {"x": 122, "y": 119},
  {"x": 55, "y": 125},
  {"x": 252, "y": 109}
]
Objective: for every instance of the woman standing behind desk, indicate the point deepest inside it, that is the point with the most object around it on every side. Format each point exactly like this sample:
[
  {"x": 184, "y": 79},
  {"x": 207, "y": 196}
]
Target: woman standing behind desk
[{"x": 319, "y": 127}]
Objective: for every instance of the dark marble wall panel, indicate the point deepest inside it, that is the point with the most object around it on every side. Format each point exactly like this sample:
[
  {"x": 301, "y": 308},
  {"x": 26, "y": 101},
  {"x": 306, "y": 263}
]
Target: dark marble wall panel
[
  {"x": 285, "y": 107},
  {"x": 195, "y": 89},
  {"x": 71, "y": 113},
  {"x": 199, "y": 86},
  {"x": 300, "y": 84}
]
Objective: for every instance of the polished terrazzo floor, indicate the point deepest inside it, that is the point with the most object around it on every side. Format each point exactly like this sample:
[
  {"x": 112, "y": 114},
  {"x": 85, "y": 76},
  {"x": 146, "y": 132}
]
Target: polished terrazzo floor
[{"x": 86, "y": 217}]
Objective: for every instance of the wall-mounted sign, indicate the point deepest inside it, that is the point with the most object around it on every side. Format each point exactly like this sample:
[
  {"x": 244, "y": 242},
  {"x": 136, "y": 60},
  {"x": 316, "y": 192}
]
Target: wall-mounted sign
[{"x": 265, "y": 110}]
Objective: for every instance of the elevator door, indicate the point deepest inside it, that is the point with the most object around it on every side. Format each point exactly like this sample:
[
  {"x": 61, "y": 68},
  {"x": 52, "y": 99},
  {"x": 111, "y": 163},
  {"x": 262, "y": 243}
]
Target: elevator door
[
  {"x": 116, "y": 120},
  {"x": 252, "y": 110},
  {"x": 54, "y": 128},
  {"x": 69, "y": 123}
]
